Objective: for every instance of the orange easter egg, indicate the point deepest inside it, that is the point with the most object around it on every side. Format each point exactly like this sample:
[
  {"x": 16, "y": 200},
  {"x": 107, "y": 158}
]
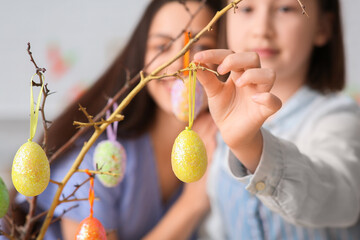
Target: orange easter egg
[
  {"x": 30, "y": 170},
  {"x": 188, "y": 157},
  {"x": 90, "y": 229}
]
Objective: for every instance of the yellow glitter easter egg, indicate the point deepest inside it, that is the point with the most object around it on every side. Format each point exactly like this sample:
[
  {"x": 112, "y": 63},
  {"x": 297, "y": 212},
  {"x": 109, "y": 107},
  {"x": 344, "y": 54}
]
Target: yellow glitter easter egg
[
  {"x": 30, "y": 170},
  {"x": 188, "y": 157}
]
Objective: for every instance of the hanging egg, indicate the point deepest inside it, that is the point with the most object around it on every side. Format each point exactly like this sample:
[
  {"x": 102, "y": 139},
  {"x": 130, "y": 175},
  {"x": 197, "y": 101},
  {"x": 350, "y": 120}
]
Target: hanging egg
[
  {"x": 188, "y": 157},
  {"x": 89, "y": 229},
  {"x": 180, "y": 99},
  {"x": 4, "y": 199},
  {"x": 110, "y": 156},
  {"x": 30, "y": 170}
]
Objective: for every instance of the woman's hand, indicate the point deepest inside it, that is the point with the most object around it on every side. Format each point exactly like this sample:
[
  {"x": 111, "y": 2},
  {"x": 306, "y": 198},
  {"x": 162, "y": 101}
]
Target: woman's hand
[{"x": 240, "y": 105}]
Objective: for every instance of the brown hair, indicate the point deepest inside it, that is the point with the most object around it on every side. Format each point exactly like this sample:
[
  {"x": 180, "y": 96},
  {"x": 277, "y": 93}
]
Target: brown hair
[
  {"x": 327, "y": 63},
  {"x": 139, "y": 114}
]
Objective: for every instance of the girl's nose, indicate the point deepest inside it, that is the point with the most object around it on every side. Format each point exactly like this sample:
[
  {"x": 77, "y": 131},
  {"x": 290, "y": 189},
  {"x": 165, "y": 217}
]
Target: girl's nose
[{"x": 263, "y": 24}]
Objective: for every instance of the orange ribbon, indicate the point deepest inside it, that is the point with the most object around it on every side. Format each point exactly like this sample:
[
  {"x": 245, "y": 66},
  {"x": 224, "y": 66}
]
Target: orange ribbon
[
  {"x": 91, "y": 193},
  {"x": 187, "y": 36}
]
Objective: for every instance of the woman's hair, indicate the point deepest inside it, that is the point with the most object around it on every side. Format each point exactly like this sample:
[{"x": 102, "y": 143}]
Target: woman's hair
[
  {"x": 327, "y": 63},
  {"x": 140, "y": 113}
]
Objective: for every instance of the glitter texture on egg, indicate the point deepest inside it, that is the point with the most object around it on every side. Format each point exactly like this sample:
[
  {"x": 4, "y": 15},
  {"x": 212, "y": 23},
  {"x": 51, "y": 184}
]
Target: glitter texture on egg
[
  {"x": 180, "y": 99},
  {"x": 4, "y": 199},
  {"x": 110, "y": 156},
  {"x": 188, "y": 157},
  {"x": 90, "y": 229},
  {"x": 30, "y": 170}
]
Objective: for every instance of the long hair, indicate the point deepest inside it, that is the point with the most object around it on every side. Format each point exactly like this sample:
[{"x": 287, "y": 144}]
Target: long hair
[
  {"x": 140, "y": 113},
  {"x": 327, "y": 66}
]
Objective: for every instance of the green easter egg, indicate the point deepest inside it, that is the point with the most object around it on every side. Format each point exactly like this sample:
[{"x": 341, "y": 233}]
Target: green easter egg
[
  {"x": 4, "y": 199},
  {"x": 110, "y": 156}
]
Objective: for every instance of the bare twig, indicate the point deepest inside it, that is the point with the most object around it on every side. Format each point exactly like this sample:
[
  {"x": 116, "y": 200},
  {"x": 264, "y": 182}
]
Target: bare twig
[
  {"x": 100, "y": 172},
  {"x": 55, "y": 182},
  {"x": 76, "y": 189},
  {"x": 6, "y": 235},
  {"x": 40, "y": 72},
  {"x": 117, "y": 118},
  {"x": 303, "y": 8}
]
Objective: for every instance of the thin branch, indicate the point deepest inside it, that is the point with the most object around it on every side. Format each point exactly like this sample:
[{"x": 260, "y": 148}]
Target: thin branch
[
  {"x": 64, "y": 212},
  {"x": 76, "y": 189},
  {"x": 89, "y": 117},
  {"x": 55, "y": 182},
  {"x": 117, "y": 118},
  {"x": 29, "y": 224},
  {"x": 77, "y": 199},
  {"x": 100, "y": 172},
  {"x": 6, "y": 235},
  {"x": 177, "y": 74},
  {"x": 303, "y": 8}
]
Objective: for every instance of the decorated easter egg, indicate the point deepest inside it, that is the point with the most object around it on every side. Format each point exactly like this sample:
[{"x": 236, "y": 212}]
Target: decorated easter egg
[
  {"x": 110, "y": 156},
  {"x": 4, "y": 199},
  {"x": 30, "y": 170},
  {"x": 90, "y": 229},
  {"x": 180, "y": 99},
  {"x": 188, "y": 157}
]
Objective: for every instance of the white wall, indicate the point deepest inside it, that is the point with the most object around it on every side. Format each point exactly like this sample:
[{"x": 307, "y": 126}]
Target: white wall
[{"x": 75, "y": 40}]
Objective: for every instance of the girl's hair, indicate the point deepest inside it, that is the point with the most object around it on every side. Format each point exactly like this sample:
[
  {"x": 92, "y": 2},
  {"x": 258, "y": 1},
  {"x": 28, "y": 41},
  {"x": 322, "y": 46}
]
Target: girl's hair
[
  {"x": 139, "y": 114},
  {"x": 327, "y": 64}
]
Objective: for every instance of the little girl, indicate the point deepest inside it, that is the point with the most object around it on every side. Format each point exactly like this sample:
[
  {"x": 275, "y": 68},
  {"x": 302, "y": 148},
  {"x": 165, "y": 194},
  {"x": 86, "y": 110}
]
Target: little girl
[{"x": 294, "y": 174}]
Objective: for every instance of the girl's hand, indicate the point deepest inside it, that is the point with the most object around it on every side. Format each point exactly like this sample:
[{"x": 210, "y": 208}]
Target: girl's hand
[{"x": 240, "y": 105}]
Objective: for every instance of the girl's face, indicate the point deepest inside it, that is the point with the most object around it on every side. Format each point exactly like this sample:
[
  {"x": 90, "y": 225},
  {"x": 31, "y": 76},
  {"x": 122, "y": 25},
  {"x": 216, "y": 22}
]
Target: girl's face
[
  {"x": 282, "y": 36},
  {"x": 167, "y": 24}
]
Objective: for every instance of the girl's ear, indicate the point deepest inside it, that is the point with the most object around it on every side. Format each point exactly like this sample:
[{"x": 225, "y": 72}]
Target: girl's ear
[{"x": 324, "y": 31}]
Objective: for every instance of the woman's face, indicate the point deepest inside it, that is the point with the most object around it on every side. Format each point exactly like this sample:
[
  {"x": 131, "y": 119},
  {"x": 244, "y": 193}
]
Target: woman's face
[{"x": 167, "y": 24}]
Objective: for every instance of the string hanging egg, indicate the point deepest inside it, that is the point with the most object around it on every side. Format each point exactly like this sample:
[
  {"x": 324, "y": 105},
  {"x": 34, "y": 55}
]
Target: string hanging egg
[
  {"x": 31, "y": 170},
  {"x": 4, "y": 199},
  {"x": 91, "y": 228},
  {"x": 180, "y": 91},
  {"x": 110, "y": 156},
  {"x": 188, "y": 156},
  {"x": 179, "y": 99}
]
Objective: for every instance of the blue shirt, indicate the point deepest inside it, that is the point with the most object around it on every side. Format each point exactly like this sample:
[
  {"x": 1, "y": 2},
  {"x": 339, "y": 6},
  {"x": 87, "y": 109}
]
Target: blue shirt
[
  {"x": 307, "y": 183},
  {"x": 132, "y": 208}
]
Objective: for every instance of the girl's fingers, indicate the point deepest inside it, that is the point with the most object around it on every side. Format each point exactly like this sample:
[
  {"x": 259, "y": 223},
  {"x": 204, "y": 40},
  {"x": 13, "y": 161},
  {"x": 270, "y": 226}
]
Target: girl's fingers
[
  {"x": 209, "y": 81},
  {"x": 262, "y": 77},
  {"x": 213, "y": 56},
  {"x": 270, "y": 104},
  {"x": 239, "y": 62}
]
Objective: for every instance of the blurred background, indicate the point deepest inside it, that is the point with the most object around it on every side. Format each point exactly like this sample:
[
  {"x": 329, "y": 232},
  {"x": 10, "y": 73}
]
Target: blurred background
[{"x": 75, "y": 41}]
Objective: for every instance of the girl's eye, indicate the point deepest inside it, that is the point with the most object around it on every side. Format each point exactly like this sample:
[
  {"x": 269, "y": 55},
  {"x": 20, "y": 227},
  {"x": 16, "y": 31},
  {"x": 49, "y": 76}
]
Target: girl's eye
[
  {"x": 286, "y": 9},
  {"x": 245, "y": 9}
]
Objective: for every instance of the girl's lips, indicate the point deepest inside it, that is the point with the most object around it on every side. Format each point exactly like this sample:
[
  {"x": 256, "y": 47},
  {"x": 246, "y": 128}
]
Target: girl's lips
[{"x": 266, "y": 52}]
